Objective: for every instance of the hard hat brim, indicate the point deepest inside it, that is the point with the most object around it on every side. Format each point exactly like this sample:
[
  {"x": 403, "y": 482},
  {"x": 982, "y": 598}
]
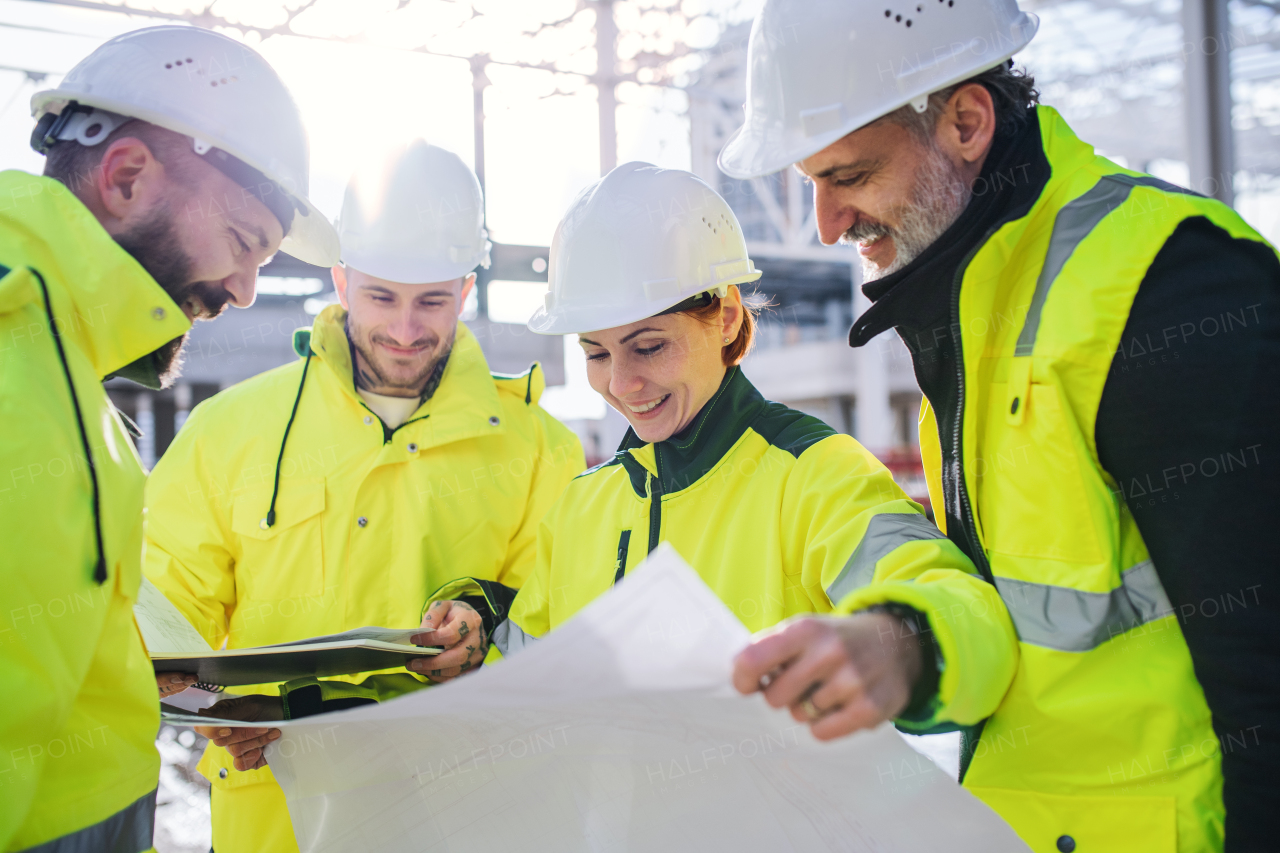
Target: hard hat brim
[
  {"x": 753, "y": 152},
  {"x": 405, "y": 271},
  {"x": 583, "y": 319}
]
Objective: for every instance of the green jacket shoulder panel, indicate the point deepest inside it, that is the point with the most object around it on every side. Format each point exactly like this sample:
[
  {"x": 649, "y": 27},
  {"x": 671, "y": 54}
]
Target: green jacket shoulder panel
[{"x": 790, "y": 430}]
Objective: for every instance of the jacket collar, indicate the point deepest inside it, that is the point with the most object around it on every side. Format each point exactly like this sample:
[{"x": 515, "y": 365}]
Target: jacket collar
[
  {"x": 686, "y": 457},
  {"x": 102, "y": 299},
  {"x": 465, "y": 405}
]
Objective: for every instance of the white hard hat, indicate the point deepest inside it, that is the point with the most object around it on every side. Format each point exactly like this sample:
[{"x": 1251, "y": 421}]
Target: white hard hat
[
  {"x": 415, "y": 216},
  {"x": 211, "y": 88},
  {"x": 635, "y": 243},
  {"x": 820, "y": 69}
]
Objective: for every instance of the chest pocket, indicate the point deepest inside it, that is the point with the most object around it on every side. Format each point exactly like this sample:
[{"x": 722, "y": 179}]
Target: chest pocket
[
  {"x": 285, "y": 560},
  {"x": 1033, "y": 483}
]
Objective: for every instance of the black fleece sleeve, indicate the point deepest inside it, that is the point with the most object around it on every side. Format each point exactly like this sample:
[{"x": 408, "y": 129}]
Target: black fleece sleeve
[{"x": 1189, "y": 427}]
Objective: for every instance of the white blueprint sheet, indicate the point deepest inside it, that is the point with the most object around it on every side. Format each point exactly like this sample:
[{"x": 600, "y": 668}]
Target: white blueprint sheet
[{"x": 618, "y": 732}]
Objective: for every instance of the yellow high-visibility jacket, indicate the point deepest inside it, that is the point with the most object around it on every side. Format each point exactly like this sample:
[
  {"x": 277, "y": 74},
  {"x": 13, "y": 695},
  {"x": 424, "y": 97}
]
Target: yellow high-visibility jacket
[
  {"x": 368, "y": 520},
  {"x": 79, "y": 716},
  {"x": 781, "y": 516},
  {"x": 1104, "y": 740}
]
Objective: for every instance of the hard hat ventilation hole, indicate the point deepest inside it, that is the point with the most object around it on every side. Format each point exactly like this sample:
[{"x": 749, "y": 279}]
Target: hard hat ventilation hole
[
  {"x": 888, "y": 14},
  {"x": 908, "y": 22}
]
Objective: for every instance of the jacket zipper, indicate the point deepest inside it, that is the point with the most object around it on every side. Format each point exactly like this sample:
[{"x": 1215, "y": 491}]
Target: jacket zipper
[
  {"x": 624, "y": 544},
  {"x": 962, "y": 488},
  {"x": 969, "y": 735},
  {"x": 655, "y": 503}
]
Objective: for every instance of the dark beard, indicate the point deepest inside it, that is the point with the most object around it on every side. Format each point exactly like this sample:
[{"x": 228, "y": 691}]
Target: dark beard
[
  {"x": 154, "y": 244},
  {"x": 368, "y": 377}
]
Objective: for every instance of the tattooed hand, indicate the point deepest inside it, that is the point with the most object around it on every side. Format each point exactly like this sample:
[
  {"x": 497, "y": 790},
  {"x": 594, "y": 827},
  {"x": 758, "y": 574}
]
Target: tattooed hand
[{"x": 458, "y": 627}]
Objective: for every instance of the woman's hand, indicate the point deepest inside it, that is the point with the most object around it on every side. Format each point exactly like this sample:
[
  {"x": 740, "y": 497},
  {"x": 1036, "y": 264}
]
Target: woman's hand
[
  {"x": 838, "y": 674},
  {"x": 246, "y": 745},
  {"x": 457, "y": 627}
]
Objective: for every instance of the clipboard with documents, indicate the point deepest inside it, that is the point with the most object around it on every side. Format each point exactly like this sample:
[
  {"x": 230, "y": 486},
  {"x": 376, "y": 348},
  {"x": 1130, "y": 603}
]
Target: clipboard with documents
[{"x": 175, "y": 646}]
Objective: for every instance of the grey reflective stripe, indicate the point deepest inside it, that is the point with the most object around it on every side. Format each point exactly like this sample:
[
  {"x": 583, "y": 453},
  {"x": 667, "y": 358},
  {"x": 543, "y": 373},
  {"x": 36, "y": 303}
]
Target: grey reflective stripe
[
  {"x": 1058, "y": 617},
  {"x": 511, "y": 638},
  {"x": 1074, "y": 222},
  {"x": 1154, "y": 183},
  {"x": 127, "y": 831},
  {"x": 885, "y": 533}
]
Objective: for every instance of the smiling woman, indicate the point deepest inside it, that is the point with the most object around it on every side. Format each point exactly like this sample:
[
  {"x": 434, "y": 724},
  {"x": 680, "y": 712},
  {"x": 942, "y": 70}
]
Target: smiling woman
[{"x": 778, "y": 513}]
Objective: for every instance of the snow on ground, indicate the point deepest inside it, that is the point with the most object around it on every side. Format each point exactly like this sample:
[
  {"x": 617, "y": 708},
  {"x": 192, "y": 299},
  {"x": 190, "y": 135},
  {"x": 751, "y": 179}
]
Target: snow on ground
[{"x": 182, "y": 808}]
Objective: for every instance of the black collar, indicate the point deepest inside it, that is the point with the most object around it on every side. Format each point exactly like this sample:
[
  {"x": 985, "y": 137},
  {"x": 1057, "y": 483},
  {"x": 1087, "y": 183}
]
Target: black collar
[{"x": 690, "y": 454}]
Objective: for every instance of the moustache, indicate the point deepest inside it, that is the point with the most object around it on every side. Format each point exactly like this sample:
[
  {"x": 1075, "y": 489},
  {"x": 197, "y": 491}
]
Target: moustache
[
  {"x": 866, "y": 231},
  {"x": 206, "y": 301},
  {"x": 428, "y": 343}
]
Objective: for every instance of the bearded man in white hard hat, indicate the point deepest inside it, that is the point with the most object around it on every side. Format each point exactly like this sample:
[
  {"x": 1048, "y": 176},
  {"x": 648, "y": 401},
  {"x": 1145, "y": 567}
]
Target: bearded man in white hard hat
[
  {"x": 1098, "y": 350},
  {"x": 341, "y": 490},
  {"x": 177, "y": 165}
]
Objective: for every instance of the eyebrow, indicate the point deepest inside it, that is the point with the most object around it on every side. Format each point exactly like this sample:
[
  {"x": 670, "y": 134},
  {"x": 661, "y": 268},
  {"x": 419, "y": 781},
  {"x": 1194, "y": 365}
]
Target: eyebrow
[
  {"x": 391, "y": 292},
  {"x": 256, "y": 230},
  {"x": 583, "y": 340},
  {"x": 865, "y": 164}
]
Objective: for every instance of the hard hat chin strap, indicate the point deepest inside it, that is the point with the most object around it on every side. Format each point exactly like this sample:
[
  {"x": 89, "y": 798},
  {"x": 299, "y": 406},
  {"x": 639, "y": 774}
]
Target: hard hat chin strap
[
  {"x": 277, "y": 200},
  {"x": 698, "y": 300},
  {"x": 76, "y": 123}
]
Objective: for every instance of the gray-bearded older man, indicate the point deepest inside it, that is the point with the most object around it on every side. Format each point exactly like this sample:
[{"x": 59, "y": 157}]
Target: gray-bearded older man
[{"x": 1099, "y": 351}]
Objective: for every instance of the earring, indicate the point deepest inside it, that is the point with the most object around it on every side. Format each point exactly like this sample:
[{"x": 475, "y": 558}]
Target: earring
[{"x": 726, "y": 340}]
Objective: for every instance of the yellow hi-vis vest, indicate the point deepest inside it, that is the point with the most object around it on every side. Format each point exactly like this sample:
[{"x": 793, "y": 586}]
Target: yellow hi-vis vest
[
  {"x": 367, "y": 522},
  {"x": 79, "y": 710},
  {"x": 1103, "y": 741},
  {"x": 780, "y": 516}
]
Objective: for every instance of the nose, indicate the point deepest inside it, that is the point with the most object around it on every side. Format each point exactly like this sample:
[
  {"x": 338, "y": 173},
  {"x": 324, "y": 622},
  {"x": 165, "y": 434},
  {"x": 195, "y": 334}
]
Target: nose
[
  {"x": 243, "y": 287},
  {"x": 623, "y": 381},
  {"x": 834, "y": 215},
  {"x": 405, "y": 328}
]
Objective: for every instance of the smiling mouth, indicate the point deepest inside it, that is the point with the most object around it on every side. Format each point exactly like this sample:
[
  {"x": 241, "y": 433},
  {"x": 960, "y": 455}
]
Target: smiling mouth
[{"x": 648, "y": 407}]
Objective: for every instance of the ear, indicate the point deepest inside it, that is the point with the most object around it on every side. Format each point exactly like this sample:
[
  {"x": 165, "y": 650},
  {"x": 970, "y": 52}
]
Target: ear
[
  {"x": 129, "y": 180},
  {"x": 468, "y": 284},
  {"x": 339, "y": 274},
  {"x": 967, "y": 126},
  {"x": 731, "y": 313}
]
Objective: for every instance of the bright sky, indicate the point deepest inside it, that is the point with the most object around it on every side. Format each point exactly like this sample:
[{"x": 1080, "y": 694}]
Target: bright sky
[{"x": 542, "y": 141}]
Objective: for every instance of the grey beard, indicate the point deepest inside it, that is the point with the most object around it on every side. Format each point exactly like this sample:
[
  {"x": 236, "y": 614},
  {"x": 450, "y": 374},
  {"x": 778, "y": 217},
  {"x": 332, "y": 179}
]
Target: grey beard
[{"x": 939, "y": 197}]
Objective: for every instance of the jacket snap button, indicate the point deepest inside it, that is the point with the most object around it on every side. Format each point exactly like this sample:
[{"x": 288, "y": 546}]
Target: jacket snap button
[
  {"x": 412, "y": 448},
  {"x": 1066, "y": 843},
  {"x": 158, "y": 313},
  {"x": 493, "y": 421},
  {"x": 362, "y": 521},
  {"x": 222, "y": 774},
  {"x": 368, "y": 419}
]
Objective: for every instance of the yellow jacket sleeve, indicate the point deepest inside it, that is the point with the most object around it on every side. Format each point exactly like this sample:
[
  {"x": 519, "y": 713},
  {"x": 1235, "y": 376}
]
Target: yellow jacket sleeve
[
  {"x": 186, "y": 553},
  {"x": 559, "y": 460},
  {"x": 888, "y": 552}
]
